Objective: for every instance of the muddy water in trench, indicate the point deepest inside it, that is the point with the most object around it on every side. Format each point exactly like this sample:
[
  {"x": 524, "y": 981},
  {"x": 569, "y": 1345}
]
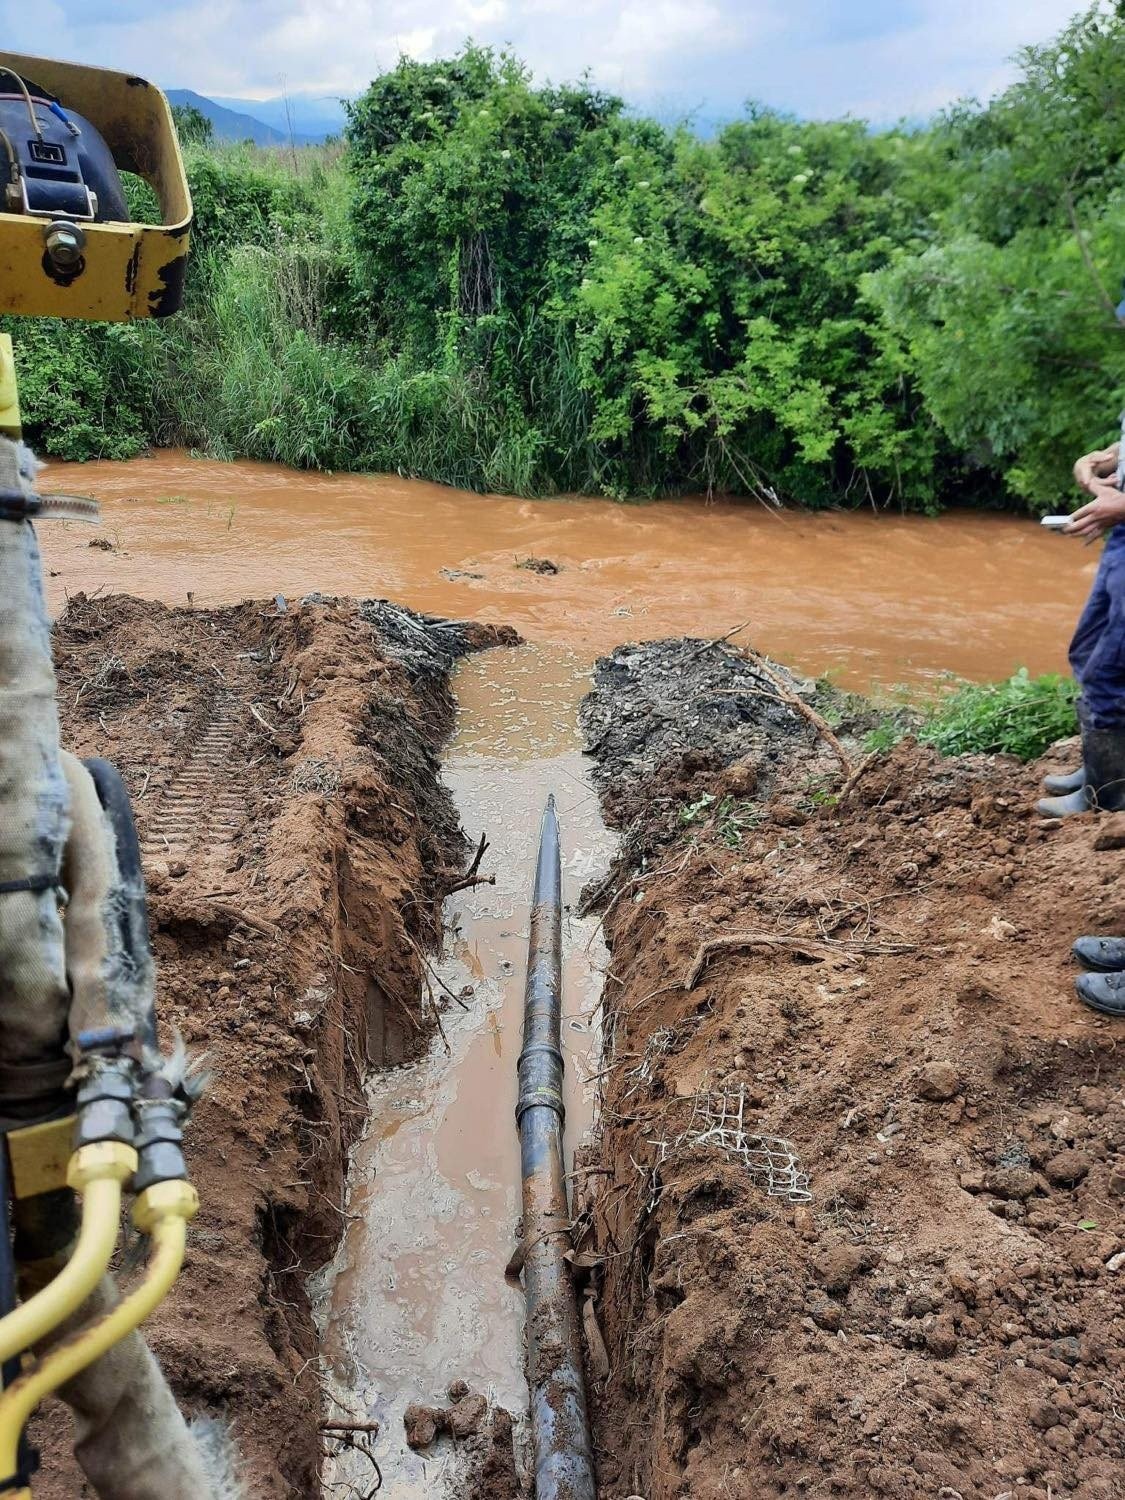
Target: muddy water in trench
[{"x": 416, "y": 1296}]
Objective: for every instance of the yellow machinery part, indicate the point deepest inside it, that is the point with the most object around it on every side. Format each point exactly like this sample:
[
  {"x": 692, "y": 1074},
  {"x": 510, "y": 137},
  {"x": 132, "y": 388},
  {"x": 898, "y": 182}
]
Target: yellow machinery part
[
  {"x": 132, "y": 270},
  {"x": 9, "y": 395},
  {"x": 162, "y": 1212},
  {"x": 97, "y": 1173},
  {"x": 39, "y": 1155}
]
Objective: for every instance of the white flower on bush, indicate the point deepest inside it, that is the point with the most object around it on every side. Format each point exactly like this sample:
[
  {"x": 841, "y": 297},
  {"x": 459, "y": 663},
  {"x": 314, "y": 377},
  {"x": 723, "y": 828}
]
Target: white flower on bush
[
  {"x": 505, "y": 156},
  {"x": 796, "y": 150},
  {"x": 800, "y": 179},
  {"x": 638, "y": 239},
  {"x": 623, "y": 161}
]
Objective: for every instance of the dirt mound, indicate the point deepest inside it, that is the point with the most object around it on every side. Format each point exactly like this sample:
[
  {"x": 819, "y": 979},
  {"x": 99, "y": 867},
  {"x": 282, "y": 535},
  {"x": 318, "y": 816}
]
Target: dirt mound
[
  {"x": 665, "y": 714},
  {"x": 298, "y": 843},
  {"x": 871, "y": 999}
]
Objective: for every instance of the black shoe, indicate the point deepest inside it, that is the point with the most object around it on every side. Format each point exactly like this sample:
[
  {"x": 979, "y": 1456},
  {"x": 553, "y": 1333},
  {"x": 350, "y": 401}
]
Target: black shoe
[
  {"x": 1103, "y": 757},
  {"x": 1106, "y": 955},
  {"x": 1102, "y": 992},
  {"x": 1063, "y": 782}
]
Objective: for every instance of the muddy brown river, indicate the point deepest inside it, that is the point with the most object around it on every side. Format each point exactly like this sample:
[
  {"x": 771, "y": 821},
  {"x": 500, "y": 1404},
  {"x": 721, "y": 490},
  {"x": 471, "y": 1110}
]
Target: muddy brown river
[{"x": 416, "y": 1295}]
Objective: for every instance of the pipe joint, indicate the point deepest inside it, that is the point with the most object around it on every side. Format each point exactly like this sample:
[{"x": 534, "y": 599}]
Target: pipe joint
[
  {"x": 159, "y": 1142},
  {"x": 163, "y": 1202},
  {"x": 105, "y": 1102}
]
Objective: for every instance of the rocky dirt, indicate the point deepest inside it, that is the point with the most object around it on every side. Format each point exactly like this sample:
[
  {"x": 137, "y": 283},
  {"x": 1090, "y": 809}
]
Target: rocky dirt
[
  {"x": 883, "y": 982},
  {"x": 298, "y": 843}
]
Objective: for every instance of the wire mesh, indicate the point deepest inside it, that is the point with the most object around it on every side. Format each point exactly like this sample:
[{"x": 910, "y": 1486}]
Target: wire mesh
[{"x": 718, "y": 1120}]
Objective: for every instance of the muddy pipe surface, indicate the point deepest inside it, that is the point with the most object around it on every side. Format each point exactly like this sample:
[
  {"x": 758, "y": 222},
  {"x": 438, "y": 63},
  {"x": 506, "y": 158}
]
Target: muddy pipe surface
[{"x": 564, "y": 1465}]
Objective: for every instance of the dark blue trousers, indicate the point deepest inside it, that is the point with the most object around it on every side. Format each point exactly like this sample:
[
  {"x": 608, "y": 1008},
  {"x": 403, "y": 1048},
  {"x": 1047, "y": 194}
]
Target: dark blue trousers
[{"x": 1097, "y": 652}]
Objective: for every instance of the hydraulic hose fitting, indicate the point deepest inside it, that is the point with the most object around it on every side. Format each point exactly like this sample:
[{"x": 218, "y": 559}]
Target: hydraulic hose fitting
[
  {"x": 102, "y": 1161},
  {"x": 105, "y": 1100},
  {"x": 163, "y": 1205},
  {"x": 160, "y": 1137},
  {"x": 162, "y": 1212}
]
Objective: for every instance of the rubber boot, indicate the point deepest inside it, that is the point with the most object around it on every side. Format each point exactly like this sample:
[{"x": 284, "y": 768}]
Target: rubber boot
[
  {"x": 1105, "y": 955},
  {"x": 1103, "y": 756},
  {"x": 1102, "y": 992},
  {"x": 1062, "y": 782}
]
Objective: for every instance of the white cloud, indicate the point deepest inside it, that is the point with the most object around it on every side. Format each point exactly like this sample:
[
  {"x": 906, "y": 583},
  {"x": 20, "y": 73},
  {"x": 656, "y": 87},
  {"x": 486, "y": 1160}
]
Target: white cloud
[{"x": 879, "y": 59}]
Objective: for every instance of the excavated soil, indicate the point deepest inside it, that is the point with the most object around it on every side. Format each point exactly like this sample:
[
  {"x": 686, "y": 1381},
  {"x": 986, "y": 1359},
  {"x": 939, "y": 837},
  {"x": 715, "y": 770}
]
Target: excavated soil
[
  {"x": 882, "y": 980},
  {"x": 298, "y": 843}
]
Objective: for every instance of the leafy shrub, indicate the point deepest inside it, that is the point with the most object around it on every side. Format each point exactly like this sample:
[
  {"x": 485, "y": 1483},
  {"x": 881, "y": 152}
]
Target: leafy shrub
[{"x": 1022, "y": 716}]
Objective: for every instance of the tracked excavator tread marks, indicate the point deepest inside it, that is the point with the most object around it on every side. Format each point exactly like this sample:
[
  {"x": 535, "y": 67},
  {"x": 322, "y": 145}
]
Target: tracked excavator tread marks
[{"x": 206, "y": 801}]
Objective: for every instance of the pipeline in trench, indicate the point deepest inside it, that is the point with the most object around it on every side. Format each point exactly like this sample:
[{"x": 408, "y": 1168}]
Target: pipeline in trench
[{"x": 416, "y": 1296}]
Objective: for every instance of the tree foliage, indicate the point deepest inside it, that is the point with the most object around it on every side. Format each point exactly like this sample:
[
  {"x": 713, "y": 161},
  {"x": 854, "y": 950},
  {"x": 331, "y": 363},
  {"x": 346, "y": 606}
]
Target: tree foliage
[
  {"x": 522, "y": 287},
  {"x": 1006, "y": 319},
  {"x": 192, "y": 125}
]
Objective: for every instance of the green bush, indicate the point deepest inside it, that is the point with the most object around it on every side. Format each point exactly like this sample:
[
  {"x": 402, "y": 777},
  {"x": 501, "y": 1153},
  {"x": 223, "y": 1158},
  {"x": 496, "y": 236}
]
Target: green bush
[{"x": 1022, "y": 716}]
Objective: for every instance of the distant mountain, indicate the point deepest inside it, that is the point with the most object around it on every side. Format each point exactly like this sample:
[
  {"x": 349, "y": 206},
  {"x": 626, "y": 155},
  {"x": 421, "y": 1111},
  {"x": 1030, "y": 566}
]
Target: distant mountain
[
  {"x": 233, "y": 125},
  {"x": 309, "y": 116}
]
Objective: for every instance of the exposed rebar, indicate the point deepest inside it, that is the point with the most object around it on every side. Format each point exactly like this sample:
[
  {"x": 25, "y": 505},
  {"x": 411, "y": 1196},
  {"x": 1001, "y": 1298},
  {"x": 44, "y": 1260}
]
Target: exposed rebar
[{"x": 564, "y": 1464}]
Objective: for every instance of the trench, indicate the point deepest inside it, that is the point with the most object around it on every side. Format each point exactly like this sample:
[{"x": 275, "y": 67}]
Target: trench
[{"x": 415, "y": 1296}]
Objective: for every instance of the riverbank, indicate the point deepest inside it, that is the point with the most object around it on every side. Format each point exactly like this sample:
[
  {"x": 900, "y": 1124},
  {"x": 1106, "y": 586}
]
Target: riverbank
[{"x": 858, "y": 1204}]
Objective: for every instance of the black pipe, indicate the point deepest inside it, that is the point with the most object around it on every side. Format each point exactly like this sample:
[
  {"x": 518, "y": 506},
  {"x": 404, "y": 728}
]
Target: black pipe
[
  {"x": 8, "y": 1296},
  {"x": 564, "y": 1464}
]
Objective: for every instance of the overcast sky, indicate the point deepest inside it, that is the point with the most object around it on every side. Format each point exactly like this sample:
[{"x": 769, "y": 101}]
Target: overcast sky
[{"x": 879, "y": 59}]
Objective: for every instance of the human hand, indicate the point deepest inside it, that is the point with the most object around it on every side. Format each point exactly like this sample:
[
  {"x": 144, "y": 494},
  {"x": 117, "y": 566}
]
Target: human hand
[
  {"x": 1107, "y": 509},
  {"x": 1094, "y": 467}
]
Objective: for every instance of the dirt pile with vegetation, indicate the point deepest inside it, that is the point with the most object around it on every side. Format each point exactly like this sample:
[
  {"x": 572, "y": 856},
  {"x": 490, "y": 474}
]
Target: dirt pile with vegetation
[
  {"x": 861, "y": 1184},
  {"x": 508, "y": 286},
  {"x": 298, "y": 844}
]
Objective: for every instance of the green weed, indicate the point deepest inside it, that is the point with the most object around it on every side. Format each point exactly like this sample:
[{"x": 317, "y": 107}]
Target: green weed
[{"x": 1022, "y": 716}]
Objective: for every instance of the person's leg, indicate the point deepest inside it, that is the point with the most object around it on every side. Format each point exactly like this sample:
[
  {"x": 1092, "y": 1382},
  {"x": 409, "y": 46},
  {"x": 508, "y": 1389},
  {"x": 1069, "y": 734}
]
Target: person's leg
[
  {"x": 1102, "y": 705},
  {"x": 1103, "y": 667},
  {"x": 1091, "y": 623},
  {"x": 1087, "y": 634}
]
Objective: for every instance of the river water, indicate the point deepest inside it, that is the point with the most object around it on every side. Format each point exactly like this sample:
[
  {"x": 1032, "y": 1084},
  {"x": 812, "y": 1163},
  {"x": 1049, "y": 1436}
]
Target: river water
[{"x": 416, "y": 1295}]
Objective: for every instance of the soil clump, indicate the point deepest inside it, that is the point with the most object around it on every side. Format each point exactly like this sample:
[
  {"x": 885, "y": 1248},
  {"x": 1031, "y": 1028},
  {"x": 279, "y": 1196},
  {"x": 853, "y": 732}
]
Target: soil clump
[{"x": 860, "y": 1188}]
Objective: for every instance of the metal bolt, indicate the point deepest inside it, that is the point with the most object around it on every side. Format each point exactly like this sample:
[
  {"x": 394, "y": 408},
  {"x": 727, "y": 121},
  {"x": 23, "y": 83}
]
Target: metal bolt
[{"x": 65, "y": 243}]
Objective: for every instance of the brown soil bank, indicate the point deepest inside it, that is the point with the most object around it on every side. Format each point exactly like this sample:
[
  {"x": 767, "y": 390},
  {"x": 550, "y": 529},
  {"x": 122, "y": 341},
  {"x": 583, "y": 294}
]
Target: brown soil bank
[
  {"x": 298, "y": 844},
  {"x": 883, "y": 981}
]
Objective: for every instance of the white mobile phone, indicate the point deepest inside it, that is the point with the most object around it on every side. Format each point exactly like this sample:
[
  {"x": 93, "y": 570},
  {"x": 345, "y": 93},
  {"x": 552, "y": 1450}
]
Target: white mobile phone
[{"x": 1056, "y": 522}]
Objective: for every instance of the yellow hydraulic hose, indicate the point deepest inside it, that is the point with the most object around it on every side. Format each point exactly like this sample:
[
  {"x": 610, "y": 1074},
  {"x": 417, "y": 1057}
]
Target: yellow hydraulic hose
[
  {"x": 97, "y": 1173},
  {"x": 162, "y": 1212}
]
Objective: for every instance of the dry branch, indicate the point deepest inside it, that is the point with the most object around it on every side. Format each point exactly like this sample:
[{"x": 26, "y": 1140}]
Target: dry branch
[
  {"x": 809, "y": 947},
  {"x": 860, "y": 771},
  {"x": 798, "y": 704},
  {"x": 259, "y": 924},
  {"x": 719, "y": 640}
]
